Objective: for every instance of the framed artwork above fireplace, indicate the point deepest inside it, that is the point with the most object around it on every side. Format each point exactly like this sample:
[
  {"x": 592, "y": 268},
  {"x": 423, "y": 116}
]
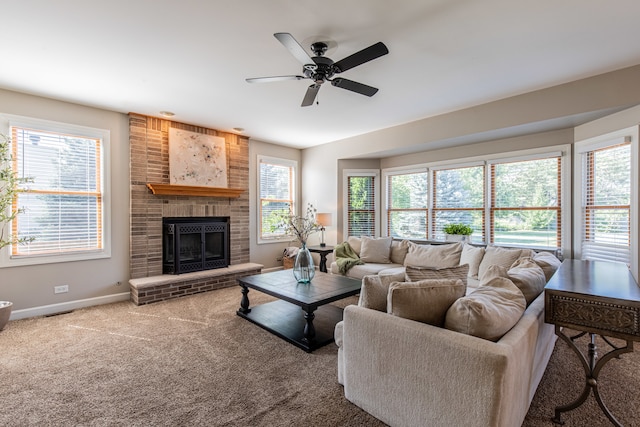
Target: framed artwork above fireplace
[{"x": 197, "y": 159}]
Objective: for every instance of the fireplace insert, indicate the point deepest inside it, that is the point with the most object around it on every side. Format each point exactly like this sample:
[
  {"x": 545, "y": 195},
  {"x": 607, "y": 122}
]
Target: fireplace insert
[{"x": 194, "y": 244}]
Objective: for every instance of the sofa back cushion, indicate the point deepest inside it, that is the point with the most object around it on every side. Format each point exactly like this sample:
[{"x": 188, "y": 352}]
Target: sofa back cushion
[
  {"x": 496, "y": 255},
  {"x": 355, "y": 243},
  {"x": 426, "y": 301},
  {"x": 441, "y": 256},
  {"x": 415, "y": 274},
  {"x": 374, "y": 291},
  {"x": 472, "y": 256},
  {"x": 489, "y": 312},
  {"x": 548, "y": 262},
  {"x": 399, "y": 251},
  {"x": 376, "y": 250}
]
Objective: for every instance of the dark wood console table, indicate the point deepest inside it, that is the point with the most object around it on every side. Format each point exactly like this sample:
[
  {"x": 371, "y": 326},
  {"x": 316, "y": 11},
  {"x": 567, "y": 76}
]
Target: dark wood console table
[{"x": 595, "y": 298}]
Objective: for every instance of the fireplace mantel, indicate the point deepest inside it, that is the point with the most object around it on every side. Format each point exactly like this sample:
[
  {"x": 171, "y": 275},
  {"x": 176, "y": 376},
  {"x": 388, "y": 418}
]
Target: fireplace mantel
[{"x": 191, "y": 190}]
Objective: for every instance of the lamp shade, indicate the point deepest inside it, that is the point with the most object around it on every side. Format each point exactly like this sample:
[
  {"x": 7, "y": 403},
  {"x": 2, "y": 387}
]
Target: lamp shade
[{"x": 324, "y": 219}]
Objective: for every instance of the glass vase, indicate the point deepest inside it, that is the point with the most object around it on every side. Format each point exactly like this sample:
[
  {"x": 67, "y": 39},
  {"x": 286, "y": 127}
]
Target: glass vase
[{"x": 303, "y": 268}]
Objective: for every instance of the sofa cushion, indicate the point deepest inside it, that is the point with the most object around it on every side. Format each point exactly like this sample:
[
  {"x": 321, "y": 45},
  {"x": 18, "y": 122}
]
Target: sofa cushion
[
  {"x": 496, "y": 255},
  {"x": 399, "y": 251},
  {"x": 548, "y": 262},
  {"x": 414, "y": 274},
  {"x": 525, "y": 274},
  {"x": 426, "y": 301},
  {"x": 355, "y": 243},
  {"x": 472, "y": 255},
  {"x": 374, "y": 291},
  {"x": 447, "y": 255},
  {"x": 376, "y": 250},
  {"x": 489, "y": 312}
]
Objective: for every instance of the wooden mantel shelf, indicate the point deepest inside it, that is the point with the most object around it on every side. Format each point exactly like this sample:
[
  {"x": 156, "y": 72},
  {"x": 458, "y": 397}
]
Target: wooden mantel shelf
[{"x": 191, "y": 190}]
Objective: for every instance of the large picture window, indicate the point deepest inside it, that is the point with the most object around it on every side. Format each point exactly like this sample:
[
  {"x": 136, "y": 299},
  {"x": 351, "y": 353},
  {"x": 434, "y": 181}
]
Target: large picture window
[
  {"x": 65, "y": 202},
  {"x": 407, "y": 196},
  {"x": 277, "y": 189},
  {"x": 458, "y": 197},
  {"x": 526, "y": 202}
]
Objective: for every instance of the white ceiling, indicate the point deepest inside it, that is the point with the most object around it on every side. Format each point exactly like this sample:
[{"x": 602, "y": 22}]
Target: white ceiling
[{"x": 192, "y": 57}]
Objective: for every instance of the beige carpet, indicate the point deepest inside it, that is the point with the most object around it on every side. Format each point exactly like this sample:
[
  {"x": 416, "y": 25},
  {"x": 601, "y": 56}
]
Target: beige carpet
[{"x": 193, "y": 361}]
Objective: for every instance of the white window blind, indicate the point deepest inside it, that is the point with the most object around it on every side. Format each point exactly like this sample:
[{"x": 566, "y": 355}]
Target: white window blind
[
  {"x": 361, "y": 206},
  {"x": 64, "y": 202},
  {"x": 407, "y": 196},
  {"x": 458, "y": 197},
  {"x": 276, "y": 181},
  {"x": 526, "y": 202},
  {"x": 606, "y": 203}
]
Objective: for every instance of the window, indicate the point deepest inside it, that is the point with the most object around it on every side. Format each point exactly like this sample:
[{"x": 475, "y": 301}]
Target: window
[
  {"x": 525, "y": 202},
  {"x": 361, "y": 213},
  {"x": 277, "y": 188},
  {"x": 407, "y": 196},
  {"x": 606, "y": 202},
  {"x": 65, "y": 204},
  {"x": 458, "y": 197},
  {"x": 513, "y": 201}
]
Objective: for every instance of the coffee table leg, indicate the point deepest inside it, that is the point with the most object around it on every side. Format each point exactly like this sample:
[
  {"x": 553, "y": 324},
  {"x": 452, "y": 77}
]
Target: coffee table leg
[
  {"x": 309, "y": 329},
  {"x": 244, "y": 302}
]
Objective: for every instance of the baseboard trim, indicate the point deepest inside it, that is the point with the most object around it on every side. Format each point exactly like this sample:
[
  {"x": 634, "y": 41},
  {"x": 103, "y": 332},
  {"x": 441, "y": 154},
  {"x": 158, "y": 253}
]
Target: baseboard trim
[
  {"x": 268, "y": 270},
  {"x": 67, "y": 306}
]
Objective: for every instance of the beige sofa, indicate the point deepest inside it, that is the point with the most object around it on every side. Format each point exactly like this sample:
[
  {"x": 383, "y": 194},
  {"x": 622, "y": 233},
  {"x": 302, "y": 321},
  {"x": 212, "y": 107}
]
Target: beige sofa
[{"x": 408, "y": 373}]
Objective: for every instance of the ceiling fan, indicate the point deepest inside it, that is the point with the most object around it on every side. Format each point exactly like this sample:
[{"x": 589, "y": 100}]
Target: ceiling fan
[{"x": 319, "y": 68}]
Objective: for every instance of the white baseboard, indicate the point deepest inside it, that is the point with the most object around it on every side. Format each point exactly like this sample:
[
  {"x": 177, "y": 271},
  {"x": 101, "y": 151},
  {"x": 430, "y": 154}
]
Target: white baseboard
[
  {"x": 67, "y": 306},
  {"x": 269, "y": 270}
]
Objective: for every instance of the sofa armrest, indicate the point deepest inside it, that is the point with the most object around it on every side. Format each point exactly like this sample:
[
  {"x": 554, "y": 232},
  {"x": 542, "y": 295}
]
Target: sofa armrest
[{"x": 412, "y": 374}]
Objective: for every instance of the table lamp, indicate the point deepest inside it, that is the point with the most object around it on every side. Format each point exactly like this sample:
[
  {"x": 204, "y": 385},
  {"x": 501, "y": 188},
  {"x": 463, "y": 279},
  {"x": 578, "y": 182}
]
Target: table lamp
[{"x": 324, "y": 220}]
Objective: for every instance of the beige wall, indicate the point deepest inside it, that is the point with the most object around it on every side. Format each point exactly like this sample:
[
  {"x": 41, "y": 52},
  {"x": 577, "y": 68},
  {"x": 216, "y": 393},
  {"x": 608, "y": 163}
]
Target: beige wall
[
  {"x": 482, "y": 130},
  {"x": 30, "y": 288}
]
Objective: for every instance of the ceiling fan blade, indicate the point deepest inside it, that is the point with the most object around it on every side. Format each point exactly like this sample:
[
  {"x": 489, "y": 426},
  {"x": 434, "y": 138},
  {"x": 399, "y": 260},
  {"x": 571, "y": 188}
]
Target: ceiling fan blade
[
  {"x": 365, "y": 55},
  {"x": 296, "y": 50},
  {"x": 273, "y": 79},
  {"x": 354, "y": 86},
  {"x": 310, "y": 96}
]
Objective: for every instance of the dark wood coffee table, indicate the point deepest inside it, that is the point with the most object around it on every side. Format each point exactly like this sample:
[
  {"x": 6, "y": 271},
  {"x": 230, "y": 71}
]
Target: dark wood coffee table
[{"x": 293, "y": 316}]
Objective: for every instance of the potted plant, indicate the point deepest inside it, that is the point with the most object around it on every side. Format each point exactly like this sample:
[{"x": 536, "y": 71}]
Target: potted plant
[
  {"x": 457, "y": 232},
  {"x": 9, "y": 183}
]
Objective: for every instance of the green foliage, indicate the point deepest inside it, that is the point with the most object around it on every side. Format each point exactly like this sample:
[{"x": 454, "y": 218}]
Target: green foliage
[
  {"x": 458, "y": 228},
  {"x": 9, "y": 189}
]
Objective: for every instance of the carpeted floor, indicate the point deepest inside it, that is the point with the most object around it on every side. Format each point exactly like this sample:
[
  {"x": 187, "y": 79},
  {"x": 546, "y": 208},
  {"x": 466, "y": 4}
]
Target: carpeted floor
[{"x": 194, "y": 362}]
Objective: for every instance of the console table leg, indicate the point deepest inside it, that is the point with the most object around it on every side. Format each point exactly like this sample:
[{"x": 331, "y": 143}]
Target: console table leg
[
  {"x": 591, "y": 370},
  {"x": 309, "y": 329},
  {"x": 244, "y": 302}
]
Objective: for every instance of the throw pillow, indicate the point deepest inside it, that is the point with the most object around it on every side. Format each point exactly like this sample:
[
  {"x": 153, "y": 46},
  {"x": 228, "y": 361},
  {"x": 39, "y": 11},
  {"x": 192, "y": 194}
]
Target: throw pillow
[
  {"x": 426, "y": 301},
  {"x": 447, "y": 255},
  {"x": 415, "y": 274},
  {"x": 399, "y": 251},
  {"x": 528, "y": 277},
  {"x": 355, "y": 243},
  {"x": 376, "y": 250},
  {"x": 489, "y": 312},
  {"x": 374, "y": 291},
  {"x": 496, "y": 255},
  {"x": 548, "y": 262},
  {"x": 472, "y": 255}
]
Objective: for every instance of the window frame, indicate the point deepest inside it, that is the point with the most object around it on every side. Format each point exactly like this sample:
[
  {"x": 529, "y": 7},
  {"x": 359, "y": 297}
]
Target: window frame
[
  {"x": 387, "y": 175},
  {"x": 346, "y": 174},
  {"x": 293, "y": 165},
  {"x": 593, "y": 144},
  {"x": 7, "y": 259}
]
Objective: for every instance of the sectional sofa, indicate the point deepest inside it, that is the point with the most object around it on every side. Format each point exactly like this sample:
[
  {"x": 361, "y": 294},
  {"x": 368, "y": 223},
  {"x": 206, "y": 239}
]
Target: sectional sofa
[{"x": 447, "y": 335}]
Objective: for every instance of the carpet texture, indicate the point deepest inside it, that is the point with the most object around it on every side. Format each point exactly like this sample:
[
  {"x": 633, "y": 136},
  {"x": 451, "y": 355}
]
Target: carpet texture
[{"x": 193, "y": 362}]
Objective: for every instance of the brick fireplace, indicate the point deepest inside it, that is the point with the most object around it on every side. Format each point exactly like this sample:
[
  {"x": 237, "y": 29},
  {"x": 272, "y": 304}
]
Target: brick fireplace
[{"x": 149, "y": 162}]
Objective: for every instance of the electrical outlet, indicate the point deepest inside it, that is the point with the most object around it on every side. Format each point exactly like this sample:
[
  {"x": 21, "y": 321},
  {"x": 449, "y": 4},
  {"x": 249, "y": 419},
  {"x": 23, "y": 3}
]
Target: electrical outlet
[
  {"x": 60, "y": 289},
  {"x": 279, "y": 258}
]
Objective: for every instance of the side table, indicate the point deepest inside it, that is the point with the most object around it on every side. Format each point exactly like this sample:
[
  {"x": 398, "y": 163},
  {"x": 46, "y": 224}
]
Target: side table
[
  {"x": 595, "y": 298},
  {"x": 323, "y": 251}
]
